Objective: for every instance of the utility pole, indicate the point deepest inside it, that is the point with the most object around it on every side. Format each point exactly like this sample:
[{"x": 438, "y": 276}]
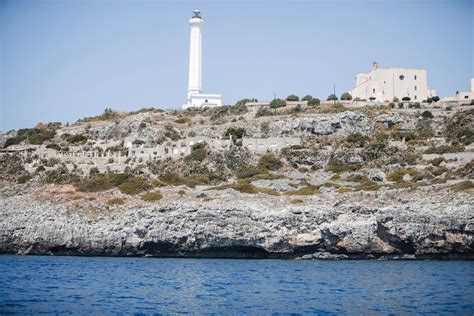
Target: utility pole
[{"x": 334, "y": 93}]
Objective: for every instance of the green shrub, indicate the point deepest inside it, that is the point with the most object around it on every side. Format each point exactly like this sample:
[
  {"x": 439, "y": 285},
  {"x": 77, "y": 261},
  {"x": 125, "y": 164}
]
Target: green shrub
[
  {"x": 171, "y": 178},
  {"x": 134, "y": 185},
  {"x": 277, "y": 103},
  {"x": 60, "y": 175},
  {"x": 235, "y": 132},
  {"x": 182, "y": 120},
  {"x": 437, "y": 161},
  {"x": 331, "y": 97},
  {"x": 427, "y": 114},
  {"x": 314, "y": 102},
  {"x": 292, "y": 97},
  {"x": 102, "y": 182},
  {"x": 199, "y": 152},
  {"x": 116, "y": 201},
  {"x": 264, "y": 127},
  {"x": 346, "y": 96},
  {"x": 336, "y": 166},
  {"x": 13, "y": 141},
  {"x": 53, "y": 146},
  {"x": 152, "y": 196},
  {"x": 244, "y": 186},
  {"x": 435, "y": 98},
  {"x": 445, "y": 149},
  {"x": 77, "y": 139},
  {"x": 307, "y": 190},
  {"x": 269, "y": 162},
  {"x": 171, "y": 133},
  {"x": 142, "y": 125},
  {"x": 307, "y": 97},
  {"x": 357, "y": 139},
  {"x": 23, "y": 178}
]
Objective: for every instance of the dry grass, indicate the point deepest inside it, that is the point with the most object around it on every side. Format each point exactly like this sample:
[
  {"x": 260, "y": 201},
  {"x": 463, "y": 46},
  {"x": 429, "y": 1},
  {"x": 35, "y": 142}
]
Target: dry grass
[
  {"x": 152, "y": 196},
  {"x": 116, "y": 201}
]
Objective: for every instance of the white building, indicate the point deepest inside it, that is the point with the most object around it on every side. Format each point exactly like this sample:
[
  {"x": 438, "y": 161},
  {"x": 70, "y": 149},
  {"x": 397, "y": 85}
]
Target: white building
[
  {"x": 384, "y": 84},
  {"x": 195, "y": 96},
  {"x": 466, "y": 96}
]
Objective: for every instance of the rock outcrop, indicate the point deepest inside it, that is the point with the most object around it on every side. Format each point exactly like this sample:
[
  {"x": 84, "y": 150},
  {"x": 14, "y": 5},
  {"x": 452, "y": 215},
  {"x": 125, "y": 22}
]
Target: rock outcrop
[{"x": 325, "y": 226}]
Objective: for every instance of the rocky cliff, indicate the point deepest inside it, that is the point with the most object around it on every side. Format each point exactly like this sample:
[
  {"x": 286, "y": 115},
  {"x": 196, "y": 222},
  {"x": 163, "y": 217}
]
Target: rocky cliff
[{"x": 360, "y": 225}]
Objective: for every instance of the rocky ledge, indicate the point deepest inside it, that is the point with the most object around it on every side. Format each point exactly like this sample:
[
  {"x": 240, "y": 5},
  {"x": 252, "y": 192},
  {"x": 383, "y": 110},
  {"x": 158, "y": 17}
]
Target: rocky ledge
[{"x": 326, "y": 226}]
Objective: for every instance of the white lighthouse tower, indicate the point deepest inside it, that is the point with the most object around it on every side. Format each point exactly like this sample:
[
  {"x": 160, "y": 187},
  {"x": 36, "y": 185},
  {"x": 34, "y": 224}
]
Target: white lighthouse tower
[{"x": 195, "y": 96}]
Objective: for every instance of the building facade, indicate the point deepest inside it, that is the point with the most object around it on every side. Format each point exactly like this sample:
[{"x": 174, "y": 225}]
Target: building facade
[
  {"x": 463, "y": 96},
  {"x": 195, "y": 96},
  {"x": 385, "y": 84}
]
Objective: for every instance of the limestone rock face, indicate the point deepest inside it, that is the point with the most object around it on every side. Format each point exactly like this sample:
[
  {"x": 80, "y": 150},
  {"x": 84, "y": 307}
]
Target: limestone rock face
[{"x": 243, "y": 225}]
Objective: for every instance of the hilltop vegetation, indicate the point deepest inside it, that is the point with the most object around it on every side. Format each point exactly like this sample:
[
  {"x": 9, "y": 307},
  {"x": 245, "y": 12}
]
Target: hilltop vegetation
[{"x": 341, "y": 151}]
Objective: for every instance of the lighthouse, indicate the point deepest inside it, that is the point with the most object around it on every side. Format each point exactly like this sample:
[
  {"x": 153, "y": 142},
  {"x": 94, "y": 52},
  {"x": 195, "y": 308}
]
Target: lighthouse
[{"x": 195, "y": 96}]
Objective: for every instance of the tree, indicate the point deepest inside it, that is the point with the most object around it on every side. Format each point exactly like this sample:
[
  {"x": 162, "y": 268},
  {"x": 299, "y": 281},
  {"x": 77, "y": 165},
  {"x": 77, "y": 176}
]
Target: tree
[
  {"x": 395, "y": 100},
  {"x": 314, "y": 102},
  {"x": 307, "y": 97},
  {"x": 244, "y": 101},
  {"x": 292, "y": 97},
  {"x": 331, "y": 97},
  {"x": 372, "y": 98},
  {"x": 277, "y": 103},
  {"x": 435, "y": 98},
  {"x": 346, "y": 96},
  {"x": 406, "y": 99}
]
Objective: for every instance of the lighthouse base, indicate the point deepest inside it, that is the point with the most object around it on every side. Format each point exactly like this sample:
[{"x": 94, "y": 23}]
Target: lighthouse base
[{"x": 201, "y": 100}]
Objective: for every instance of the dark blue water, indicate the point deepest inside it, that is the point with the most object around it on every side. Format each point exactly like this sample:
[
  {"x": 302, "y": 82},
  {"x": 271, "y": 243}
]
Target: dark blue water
[{"x": 148, "y": 285}]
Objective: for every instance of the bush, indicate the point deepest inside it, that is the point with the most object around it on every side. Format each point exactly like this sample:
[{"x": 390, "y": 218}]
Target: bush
[
  {"x": 437, "y": 161},
  {"x": 392, "y": 105},
  {"x": 243, "y": 102},
  {"x": 198, "y": 152},
  {"x": 336, "y": 166},
  {"x": 277, "y": 103},
  {"x": 357, "y": 139},
  {"x": 171, "y": 133},
  {"x": 435, "y": 98},
  {"x": 372, "y": 98},
  {"x": 265, "y": 127},
  {"x": 445, "y": 149},
  {"x": 331, "y": 97},
  {"x": 307, "y": 97},
  {"x": 235, "y": 132},
  {"x": 269, "y": 162},
  {"x": 314, "y": 102},
  {"x": 142, "y": 125},
  {"x": 427, "y": 114},
  {"x": 77, "y": 139},
  {"x": 244, "y": 186},
  {"x": 417, "y": 105},
  {"x": 182, "y": 120},
  {"x": 171, "y": 178},
  {"x": 23, "y": 178},
  {"x": 134, "y": 185},
  {"x": 116, "y": 201},
  {"x": 152, "y": 196},
  {"x": 292, "y": 97},
  {"x": 406, "y": 99},
  {"x": 346, "y": 96},
  {"x": 53, "y": 146},
  {"x": 60, "y": 175}
]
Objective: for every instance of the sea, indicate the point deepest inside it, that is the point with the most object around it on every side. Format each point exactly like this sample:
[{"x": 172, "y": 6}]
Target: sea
[{"x": 147, "y": 286}]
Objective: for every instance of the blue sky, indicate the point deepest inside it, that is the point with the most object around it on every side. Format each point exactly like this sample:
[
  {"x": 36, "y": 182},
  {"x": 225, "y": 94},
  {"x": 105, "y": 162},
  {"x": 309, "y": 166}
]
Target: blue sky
[{"x": 63, "y": 60}]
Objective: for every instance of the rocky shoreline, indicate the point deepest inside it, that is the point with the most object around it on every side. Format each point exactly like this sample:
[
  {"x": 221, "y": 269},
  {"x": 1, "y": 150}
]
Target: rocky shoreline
[{"x": 363, "y": 225}]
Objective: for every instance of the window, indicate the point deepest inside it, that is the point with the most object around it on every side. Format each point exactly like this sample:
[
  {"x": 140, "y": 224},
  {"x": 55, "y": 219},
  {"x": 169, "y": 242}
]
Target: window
[
  {"x": 466, "y": 97},
  {"x": 205, "y": 100},
  {"x": 415, "y": 88},
  {"x": 415, "y": 77},
  {"x": 373, "y": 90},
  {"x": 401, "y": 77},
  {"x": 415, "y": 97}
]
